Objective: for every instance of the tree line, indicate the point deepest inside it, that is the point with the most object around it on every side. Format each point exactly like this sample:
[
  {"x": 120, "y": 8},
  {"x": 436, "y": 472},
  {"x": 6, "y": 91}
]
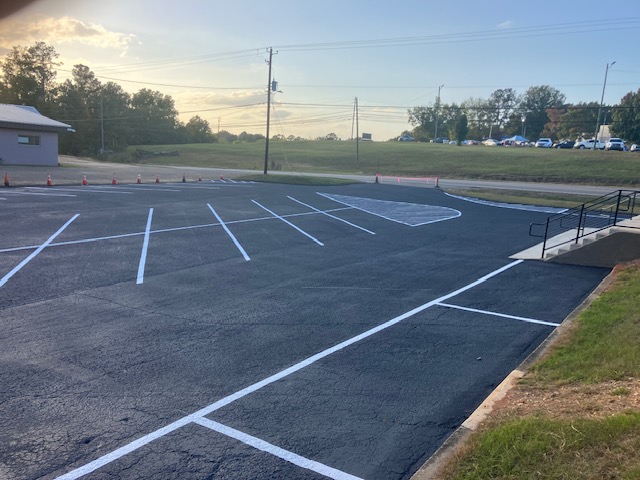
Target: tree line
[
  {"x": 103, "y": 115},
  {"x": 540, "y": 112}
]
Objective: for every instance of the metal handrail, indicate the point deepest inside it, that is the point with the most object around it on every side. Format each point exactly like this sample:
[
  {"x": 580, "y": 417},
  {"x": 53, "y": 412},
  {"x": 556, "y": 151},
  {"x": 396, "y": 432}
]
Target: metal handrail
[{"x": 590, "y": 217}]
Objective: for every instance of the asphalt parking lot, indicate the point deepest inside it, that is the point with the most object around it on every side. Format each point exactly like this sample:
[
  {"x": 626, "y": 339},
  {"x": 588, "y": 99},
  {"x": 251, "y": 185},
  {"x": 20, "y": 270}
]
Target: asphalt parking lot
[{"x": 241, "y": 330}]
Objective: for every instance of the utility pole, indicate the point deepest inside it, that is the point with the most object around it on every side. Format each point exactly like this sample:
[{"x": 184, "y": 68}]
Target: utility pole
[
  {"x": 604, "y": 85},
  {"x": 266, "y": 144},
  {"x": 101, "y": 127},
  {"x": 437, "y": 111},
  {"x": 357, "y": 135}
]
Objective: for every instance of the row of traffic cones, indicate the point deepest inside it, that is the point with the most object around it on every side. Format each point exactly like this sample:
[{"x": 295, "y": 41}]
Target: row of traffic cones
[{"x": 114, "y": 181}]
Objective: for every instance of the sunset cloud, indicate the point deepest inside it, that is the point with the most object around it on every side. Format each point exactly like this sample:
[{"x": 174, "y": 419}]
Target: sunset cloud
[{"x": 63, "y": 30}]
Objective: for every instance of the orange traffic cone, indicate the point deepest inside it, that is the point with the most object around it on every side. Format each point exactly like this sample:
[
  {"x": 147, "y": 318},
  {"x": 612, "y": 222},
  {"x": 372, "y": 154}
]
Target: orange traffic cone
[
  {"x": 114, "y": 181},
  {"x": 221, "y": 177},
  {"x": 84, "y": 180},
  {"x": 49, "y": 181},
  {"x": 157, "y": 178},
  {"x": 6, "y": 180},
  {"x": 139, "y": 180}
]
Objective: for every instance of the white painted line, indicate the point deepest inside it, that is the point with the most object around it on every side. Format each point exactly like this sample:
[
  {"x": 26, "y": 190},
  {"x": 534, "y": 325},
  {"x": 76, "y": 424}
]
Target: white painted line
[
  {"x": 145, "y": 246},
  {"x": 6, "y": 278},
  {"x": 267, "y": 381},
  {"x": 203, "y": 188},
  {"x": 124, "y": 450},
  {"x": 41, "y": 194},
  {"x": 495, "y": 314},
  {"x": 437, "y": 218},
  {"x": 332, "y": 216},
  {"x": 226, "y": 229},
  {"x": 163, "y": 230},
  {"x": 512, "y": 206},
  {"x": 290, "y": 224},
  {"x": 79, "y": 189},
  {"x": 286, "y": 455},
  {"x": 144, "y": 440},
  {"x": 126, "y": 187}
]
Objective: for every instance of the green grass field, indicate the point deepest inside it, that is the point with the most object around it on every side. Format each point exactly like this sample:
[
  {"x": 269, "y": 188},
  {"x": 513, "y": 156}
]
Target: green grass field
[{"x": 410, "y": 159}]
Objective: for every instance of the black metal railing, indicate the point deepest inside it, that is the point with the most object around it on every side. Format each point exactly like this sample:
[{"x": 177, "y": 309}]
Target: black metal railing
[{"x": 598, "y": 214}]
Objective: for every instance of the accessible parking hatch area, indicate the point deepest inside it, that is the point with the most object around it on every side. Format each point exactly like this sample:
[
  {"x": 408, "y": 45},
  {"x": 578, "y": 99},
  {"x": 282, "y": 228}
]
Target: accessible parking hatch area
[{"x": 244, "y": 330}]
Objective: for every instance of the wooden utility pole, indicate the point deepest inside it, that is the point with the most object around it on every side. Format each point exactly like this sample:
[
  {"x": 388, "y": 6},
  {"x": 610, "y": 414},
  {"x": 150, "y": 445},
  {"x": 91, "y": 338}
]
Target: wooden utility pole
[
  {"x": 357, "y": 136},
  {"x": 266, "y": 144}
]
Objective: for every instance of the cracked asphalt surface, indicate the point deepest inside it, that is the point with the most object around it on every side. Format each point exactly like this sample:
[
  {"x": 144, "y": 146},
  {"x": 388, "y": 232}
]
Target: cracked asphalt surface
[{"x": 91, "y": 362}]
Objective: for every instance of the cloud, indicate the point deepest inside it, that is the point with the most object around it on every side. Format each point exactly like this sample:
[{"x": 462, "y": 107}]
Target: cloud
[
  {"x": 506, "y": 25},
  {"x": 60, "y": 31}
]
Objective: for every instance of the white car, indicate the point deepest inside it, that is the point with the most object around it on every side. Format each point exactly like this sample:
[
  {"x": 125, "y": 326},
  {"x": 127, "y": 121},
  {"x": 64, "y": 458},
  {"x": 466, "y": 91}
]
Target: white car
[
  {"x": 635, "y": 148},
  {"x": 544, "y": 143},
  {"x": 490, "y": 142},
  {"x": 614, "y": 144},
  {"x": 588, "y": 144}
]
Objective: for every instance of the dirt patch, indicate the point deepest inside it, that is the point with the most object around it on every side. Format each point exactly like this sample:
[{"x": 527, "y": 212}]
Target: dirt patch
[{"x": 570, "y": 401}]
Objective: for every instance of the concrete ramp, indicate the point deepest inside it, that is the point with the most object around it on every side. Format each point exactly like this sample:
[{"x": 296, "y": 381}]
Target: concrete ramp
[{"x": 598, "y": 248}]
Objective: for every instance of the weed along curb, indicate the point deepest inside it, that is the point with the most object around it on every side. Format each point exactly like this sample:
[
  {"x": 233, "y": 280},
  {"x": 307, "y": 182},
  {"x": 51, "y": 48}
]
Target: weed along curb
[{"x": 433, "y": 467}]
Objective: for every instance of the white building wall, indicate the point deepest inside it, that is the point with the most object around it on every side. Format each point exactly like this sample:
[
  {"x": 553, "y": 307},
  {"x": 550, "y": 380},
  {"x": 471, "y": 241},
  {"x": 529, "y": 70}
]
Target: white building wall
[{"x": 14, "y": 153}]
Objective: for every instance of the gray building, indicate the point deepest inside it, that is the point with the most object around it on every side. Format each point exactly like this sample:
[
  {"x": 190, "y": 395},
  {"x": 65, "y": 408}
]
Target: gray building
[{"x": 27, "y": 137}]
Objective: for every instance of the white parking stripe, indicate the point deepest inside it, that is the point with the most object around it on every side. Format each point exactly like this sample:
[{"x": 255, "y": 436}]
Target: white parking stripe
[
  {"x": 275, "y": 451},
  {"x": 495, "y": 314},
  {"x": 145, "y": 246},
  {"x": 161, "y": 432},
  {"x": 226, "y": 229},
  {"x": 164, "y": 230},
  {"x": 79, "y": 189},
  {"x": 41, "y": 194},
  {"x": 332, "y": 216},
  {"x": 6, "y": 278},
  {"x": 290, "y": 224},
  {"x": 133, "y": 187}
]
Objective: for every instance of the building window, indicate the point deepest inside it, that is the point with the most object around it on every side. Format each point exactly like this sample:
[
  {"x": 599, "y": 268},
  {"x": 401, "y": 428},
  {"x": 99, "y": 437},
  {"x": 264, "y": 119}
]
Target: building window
[{"x": 29, "y": 140}]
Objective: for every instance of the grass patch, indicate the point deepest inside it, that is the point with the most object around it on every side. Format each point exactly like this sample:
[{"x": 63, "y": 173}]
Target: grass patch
[
  {"x": 559, "y": 449},
  {"x": 605, "y": 343},
  {"x": 523, "y": 197},
  {"x": 410, "y": 159},
  {"x": 297, "y": 180}
]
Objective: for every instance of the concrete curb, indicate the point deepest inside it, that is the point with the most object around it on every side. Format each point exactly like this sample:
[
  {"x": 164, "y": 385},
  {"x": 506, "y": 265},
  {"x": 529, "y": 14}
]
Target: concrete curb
[{"x": 433, "y": 467}]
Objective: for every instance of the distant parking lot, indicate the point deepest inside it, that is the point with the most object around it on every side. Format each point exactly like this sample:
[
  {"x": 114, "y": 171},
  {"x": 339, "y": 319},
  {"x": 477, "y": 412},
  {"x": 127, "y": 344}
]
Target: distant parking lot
[{"x": 239, "y": 330}]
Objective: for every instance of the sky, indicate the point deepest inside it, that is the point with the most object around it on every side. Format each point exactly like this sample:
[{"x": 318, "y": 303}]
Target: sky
[{"x": 211, "y": 56}]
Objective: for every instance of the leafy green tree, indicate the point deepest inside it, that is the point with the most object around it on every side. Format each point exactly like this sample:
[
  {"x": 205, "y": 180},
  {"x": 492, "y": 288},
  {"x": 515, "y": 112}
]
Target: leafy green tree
[
  {"x": 154, "y": 118},
  {"x": 461, "y": 127},
  {"x": 571, "y": 121},
  {"x": 28, "y": 75},
  {"x": 535, "y": 103},
  {"x": 199, "y": 131},
  {"x": 424, "y": 121},
  {"x": 500, "y": 107},
  {"x": 78, "y": 104},
  {"x": 626, "y": 118}
]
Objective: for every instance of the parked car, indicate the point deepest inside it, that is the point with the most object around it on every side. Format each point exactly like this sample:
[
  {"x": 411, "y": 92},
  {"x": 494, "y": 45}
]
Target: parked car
[
  {"x": 588, "y": 144},
  {"x": 564, "y": 144},
  {"x": 405, "y": 138},
  {"x": 491, "y": 142},
  {"x": 544, "y": 143},
  {"x": 441, "y": 140},
  {"x": 470, "y": 142},
  {"x": 614, "y": 144},
  {"x": 635, "y": 148}
]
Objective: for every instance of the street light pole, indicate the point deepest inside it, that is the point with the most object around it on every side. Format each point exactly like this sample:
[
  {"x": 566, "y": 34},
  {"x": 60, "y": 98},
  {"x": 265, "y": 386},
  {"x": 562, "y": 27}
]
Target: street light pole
[
  {"x": 604, "y": 86},
  {"x": 437, "y": 112}
]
